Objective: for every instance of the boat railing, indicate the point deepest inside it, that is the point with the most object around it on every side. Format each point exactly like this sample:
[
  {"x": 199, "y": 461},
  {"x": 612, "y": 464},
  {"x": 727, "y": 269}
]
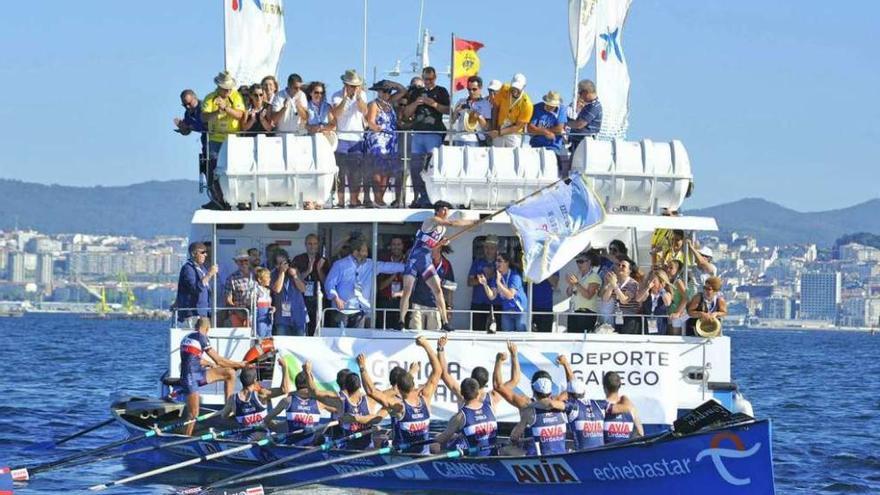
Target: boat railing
[
  {"x": 308, "y": 171},
  {"x": 223, "y": 317},
  {"x": 629, "y": 324}
]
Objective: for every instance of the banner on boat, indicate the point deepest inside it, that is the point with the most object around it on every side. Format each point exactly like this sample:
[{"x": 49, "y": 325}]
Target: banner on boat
[
  {"x": 612, "y": 75},
  {"x": 649, "y": 371},
  {"x": 254, "y": 38},
  {"x": 581, "y": 29},
  {"x": 555, "y": 225}
]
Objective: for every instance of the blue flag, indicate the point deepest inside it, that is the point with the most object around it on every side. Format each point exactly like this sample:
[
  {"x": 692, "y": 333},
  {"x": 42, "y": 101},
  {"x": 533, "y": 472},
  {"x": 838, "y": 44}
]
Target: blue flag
[{"x": 555, "y": 225}]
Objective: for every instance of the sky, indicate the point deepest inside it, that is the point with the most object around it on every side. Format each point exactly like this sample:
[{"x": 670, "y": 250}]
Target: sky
[{"x": 771, "y": 99}]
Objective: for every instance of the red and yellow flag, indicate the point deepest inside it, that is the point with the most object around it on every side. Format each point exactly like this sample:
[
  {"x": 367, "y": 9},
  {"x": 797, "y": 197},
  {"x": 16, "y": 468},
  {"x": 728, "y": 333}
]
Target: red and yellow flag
[{"x": 465, "y": 63}]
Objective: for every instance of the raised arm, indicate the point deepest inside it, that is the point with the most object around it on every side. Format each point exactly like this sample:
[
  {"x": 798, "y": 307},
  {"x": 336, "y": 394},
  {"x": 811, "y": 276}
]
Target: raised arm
[
  {"x": 450, "y": 383},
  {"x": 436, "y": 370},
  {"x": 563, "y": 361},
  {"x": 325, "y": 396},
  {"x": 369, "y": 388},
  {"x": 507, "y": 390},
  {"x": 224, "y": 362}
]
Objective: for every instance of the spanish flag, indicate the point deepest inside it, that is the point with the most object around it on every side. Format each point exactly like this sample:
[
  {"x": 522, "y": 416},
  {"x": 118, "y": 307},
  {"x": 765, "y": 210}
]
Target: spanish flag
[{"x": 466, "y": 63}]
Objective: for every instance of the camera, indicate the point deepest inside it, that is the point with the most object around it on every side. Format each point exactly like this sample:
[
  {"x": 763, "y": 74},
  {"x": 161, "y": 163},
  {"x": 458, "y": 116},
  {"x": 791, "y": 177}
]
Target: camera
[{"x": 415, "y": 92}]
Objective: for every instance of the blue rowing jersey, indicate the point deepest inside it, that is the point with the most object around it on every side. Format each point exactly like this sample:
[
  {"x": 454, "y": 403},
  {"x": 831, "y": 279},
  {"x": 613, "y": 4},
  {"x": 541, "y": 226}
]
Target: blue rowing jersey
[
  {"x": 547, "y": 431},
  {"x": 192, "y": 347},
  {"x": 426, "y": 241},
  {"x": 586, "y": 419},
  {"x": 412, "y": 427},
  {"x": 617, "y": 427},
  {"x": 362, "y": 408},
  {"x": 480, "y": 429},
  {"x": 303, "y": 413},
  {"x": 249, "y": 411}
]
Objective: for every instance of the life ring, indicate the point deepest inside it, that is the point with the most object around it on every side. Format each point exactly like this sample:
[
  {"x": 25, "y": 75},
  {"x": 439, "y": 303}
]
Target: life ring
[{"x": 262, "y": 347}]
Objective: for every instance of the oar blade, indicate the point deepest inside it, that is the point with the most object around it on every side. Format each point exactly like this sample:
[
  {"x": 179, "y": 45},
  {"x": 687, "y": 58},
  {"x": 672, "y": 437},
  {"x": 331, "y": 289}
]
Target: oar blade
[{"x": 6, "y": 481}]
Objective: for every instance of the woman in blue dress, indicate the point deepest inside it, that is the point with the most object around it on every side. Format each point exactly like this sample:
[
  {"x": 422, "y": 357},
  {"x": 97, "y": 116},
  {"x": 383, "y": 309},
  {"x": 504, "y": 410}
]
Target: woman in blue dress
[{"x": 380, "y": 140}]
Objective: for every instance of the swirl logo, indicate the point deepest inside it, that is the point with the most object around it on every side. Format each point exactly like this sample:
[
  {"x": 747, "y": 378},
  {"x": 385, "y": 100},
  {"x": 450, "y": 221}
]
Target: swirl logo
[{"x": 717, "y": 454}]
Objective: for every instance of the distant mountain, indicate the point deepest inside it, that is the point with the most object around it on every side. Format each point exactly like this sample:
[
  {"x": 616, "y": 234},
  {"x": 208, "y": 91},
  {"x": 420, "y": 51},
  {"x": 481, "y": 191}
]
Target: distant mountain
[
  {"x": 771, "y": 223},
  {"x": 144, "y": 210}
]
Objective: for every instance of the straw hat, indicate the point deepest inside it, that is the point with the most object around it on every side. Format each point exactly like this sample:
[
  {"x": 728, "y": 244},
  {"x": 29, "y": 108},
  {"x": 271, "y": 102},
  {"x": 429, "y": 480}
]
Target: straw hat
[
  {"x": 552, "y": 99},
  {"x": 224, "y": 80},
  {"x": 712, "y": 328},
  {"x": 351, "y": 78}
]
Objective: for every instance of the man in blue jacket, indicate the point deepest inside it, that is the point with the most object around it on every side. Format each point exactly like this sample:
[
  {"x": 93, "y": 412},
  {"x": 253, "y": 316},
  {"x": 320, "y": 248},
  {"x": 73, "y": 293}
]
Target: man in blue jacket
[{"x": 194, "y": 286}]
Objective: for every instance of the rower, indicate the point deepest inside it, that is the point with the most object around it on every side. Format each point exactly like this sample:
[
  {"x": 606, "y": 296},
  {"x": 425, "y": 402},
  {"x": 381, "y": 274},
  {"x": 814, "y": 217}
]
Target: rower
[
  {"x": 479, "y": 373},
  {"x": 194, "y": 371},
  {"x": 621, "y": 418},
  {"x": 419, "y": 261},
  {"x": 586, "y": 417},
  {"x": 474, "y": 424},
  {"x": 249, "y": 405},
  {"x": 353, "y": 407},
  {"x": 302, "y": 410},
  {"x": 411, "y": 410},
  {"x": 542, "y": 425}
]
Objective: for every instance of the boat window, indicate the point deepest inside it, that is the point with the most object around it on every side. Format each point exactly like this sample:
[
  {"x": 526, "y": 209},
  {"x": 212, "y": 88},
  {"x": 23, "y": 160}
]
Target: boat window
[
  {"x": 230, "y": 226},
  {"x": 284, "y": 227}
]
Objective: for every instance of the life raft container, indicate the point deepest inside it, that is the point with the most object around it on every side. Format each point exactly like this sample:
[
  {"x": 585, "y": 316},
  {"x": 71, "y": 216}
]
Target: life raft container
[{"x": 261, "y": 348}]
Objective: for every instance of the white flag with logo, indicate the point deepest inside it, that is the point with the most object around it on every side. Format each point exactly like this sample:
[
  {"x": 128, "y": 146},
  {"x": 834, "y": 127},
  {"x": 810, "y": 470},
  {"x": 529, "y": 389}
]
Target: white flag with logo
[
  {"x": 555, "y": 225},
  {"x": 612, "y": 76},
  {"x": 582, "y": 29},
  {"x": 254, "y": 38}
]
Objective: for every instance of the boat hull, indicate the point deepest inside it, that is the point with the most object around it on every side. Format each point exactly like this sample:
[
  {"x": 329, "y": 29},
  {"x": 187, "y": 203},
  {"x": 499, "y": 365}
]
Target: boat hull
[{"x": 730, "y": 460}]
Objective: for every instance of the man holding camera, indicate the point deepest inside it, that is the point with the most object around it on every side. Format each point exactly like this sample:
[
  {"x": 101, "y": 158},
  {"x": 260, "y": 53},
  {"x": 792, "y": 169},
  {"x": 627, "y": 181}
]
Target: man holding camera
[
  {"x": 471, "y": 114},
  {"x": 426, "y": 107}
]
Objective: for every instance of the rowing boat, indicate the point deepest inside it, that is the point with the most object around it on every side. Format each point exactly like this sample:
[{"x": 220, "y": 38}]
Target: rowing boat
[{"x": 728, "y": 459}]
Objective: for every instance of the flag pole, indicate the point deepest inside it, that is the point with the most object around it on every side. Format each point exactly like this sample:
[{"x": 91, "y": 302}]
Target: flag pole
[
  {"x": 496, "y": 213},
  {"x": 452, "y": 81},
  {"x": 577, "y": 53}
]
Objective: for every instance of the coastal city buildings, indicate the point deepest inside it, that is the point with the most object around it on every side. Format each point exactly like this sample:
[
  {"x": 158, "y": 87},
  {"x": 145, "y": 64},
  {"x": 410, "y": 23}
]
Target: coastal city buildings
[{"x": 766, "y": 285}]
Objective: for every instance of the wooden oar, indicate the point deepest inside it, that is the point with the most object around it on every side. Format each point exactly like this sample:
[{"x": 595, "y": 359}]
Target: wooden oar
[
  {"x": 452, "y": 454},
  {"x": 25, "y": 473},
  {"x": 51, "y": 444},
  {"x": 305, "y": 467},
  {"x": 195, "y": 460},
  {"x": 320, "y": 448}
]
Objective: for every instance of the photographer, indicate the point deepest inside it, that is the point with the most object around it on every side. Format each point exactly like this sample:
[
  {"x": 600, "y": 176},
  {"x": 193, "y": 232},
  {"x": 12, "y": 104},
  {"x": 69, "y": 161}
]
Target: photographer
[
  {"x": 471, "y": 114},
  {"x": 426, "y": 109}
]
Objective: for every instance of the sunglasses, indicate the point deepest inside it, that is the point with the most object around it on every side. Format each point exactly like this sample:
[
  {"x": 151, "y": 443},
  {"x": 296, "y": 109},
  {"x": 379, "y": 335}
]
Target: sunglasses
[{"x": 317, "y": 92}]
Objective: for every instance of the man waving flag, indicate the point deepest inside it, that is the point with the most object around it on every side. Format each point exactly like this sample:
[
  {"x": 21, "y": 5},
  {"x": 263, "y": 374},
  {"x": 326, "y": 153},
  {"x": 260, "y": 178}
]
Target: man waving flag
[{"x": 555, "y": 224}]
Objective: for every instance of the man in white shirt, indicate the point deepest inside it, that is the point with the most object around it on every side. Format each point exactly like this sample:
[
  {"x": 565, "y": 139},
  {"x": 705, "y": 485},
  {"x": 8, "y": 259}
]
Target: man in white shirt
[
  {"x": 350, "y": 285},
  {"x": 471, "y": 113},
  {"x": 350, "y": 108},
  {"x": 288, "y": 105}
]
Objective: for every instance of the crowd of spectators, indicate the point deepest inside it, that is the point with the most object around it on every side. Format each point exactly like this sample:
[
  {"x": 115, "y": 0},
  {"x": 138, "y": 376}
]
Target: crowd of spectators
[
  {"x": 364, "y": 132},
  {"x": 607, "y": 290}
]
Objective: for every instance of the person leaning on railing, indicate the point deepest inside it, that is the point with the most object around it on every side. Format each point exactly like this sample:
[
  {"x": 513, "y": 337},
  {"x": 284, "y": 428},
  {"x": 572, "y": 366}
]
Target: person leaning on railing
[
  {"x": 622, "y": 288},
  {"x": 584, "y": 288},
  {"x": 655, "y": 299},
  {"x": 258, "y": 119},
  {"x": 511, "y": 113},
  {"x": 471, "y": 115},
  {"x": 507, "y": 287},
  {"x": 381, "y": 140},
  {"x": 707, "y": 306},
  {"x": 547, "y": 127}
]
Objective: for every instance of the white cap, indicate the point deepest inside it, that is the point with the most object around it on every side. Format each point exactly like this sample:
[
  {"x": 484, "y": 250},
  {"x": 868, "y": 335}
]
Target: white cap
[
  {"x": 577, "y": 387},
  {"x": 494, "y": 85},
  {"x": 518, "y": 81},
  {"x": 542, "y": 386},
  {"x": 707, "y": 251}
]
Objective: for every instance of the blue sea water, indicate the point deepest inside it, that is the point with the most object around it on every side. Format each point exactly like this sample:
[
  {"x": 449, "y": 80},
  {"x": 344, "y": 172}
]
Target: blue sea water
[{"x": 58, "y": 373}]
